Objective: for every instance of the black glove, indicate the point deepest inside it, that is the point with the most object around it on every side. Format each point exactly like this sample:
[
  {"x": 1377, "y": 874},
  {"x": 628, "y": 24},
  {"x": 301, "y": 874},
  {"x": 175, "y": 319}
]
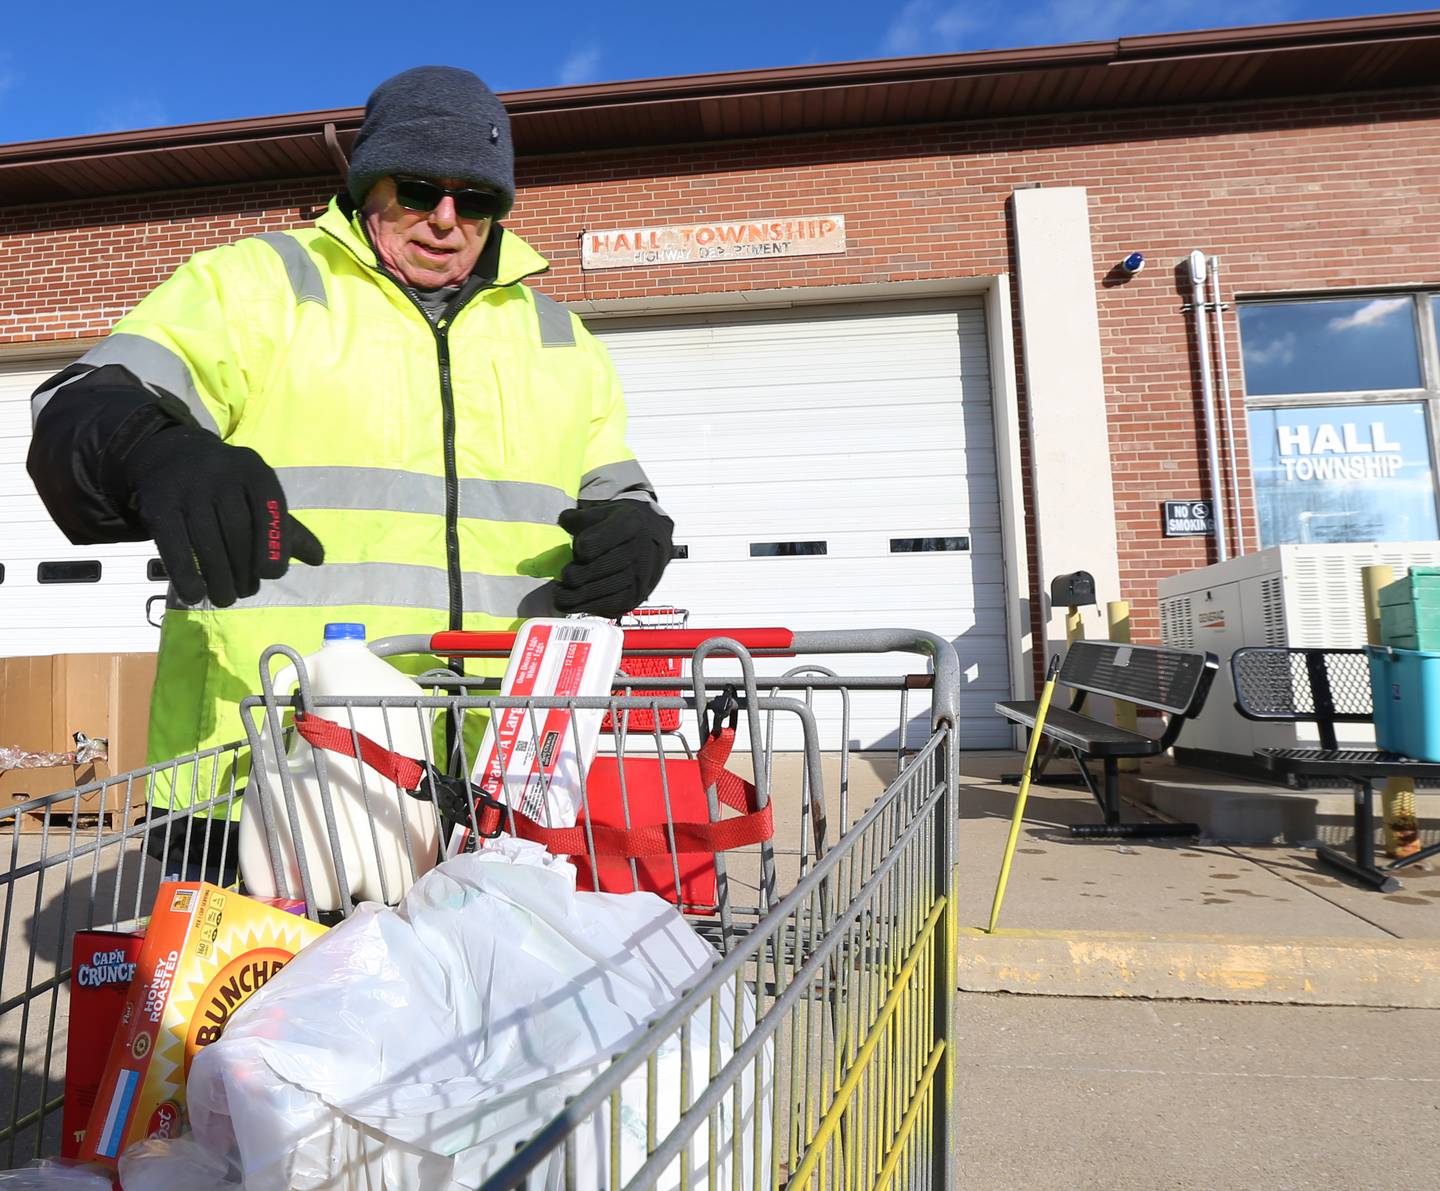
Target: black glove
[
  {"x": 217, "y": 514},
  {"x": 621, "y": 548}
]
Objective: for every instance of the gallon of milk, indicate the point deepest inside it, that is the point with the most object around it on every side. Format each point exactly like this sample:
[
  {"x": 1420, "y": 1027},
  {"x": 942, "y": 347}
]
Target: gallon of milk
[{"x": 387, "y": 839}]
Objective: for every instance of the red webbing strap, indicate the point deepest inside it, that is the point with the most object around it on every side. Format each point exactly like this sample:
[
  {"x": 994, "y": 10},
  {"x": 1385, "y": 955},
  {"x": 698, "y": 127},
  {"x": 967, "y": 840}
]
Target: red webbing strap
[
  {"x": 335, "y": 738},
  {"x": 751, "y": 826}
]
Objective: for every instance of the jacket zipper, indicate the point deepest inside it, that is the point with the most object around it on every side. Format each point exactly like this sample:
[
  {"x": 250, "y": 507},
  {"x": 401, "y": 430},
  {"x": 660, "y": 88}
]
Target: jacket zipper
[
  {"x": 440, "y": 329},
  {"x": 452, "y": 480}
]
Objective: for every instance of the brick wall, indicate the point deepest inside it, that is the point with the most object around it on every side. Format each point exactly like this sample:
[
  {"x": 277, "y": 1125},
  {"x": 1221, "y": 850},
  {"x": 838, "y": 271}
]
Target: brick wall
[{"x": 1291, "y": 195}]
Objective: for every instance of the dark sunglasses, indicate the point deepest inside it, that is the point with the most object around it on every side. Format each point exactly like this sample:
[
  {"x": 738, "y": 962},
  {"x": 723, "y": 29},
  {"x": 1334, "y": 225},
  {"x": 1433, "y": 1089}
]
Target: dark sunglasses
[{"x": 419, "y": 194}]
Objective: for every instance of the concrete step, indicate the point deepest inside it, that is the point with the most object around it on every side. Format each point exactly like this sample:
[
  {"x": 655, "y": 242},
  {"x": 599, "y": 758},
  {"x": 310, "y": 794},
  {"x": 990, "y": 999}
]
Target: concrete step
[{"x": 1233, "y": 810}]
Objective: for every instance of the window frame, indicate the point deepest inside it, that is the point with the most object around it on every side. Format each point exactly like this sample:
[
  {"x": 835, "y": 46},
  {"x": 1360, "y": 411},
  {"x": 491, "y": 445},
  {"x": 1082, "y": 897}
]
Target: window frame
[{"x": 1424, "y": 311}]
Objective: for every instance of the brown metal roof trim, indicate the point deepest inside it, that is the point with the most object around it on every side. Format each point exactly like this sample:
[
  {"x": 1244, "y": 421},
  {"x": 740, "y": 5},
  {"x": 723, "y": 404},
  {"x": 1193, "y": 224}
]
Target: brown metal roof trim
[{"x": 1305, "y": 58}]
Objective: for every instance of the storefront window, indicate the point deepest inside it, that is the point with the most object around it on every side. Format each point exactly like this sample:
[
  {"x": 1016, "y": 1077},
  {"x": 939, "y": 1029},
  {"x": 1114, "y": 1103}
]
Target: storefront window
[
  {"x": 1337, "y": 345},
  {"x": 1341, "y": 393},
  {"x": 1343, "y": 473}
]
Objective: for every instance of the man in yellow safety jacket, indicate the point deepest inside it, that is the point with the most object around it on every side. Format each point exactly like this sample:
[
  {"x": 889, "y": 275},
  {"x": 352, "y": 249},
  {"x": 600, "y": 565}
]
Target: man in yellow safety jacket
[{"x": 382, "y": 383}]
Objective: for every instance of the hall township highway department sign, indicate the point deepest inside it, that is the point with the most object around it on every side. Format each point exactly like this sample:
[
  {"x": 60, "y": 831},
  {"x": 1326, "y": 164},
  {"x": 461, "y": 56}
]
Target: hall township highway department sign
[
  {"x": 691, "y": 243},
  {"x": 1188, "y": 518}
]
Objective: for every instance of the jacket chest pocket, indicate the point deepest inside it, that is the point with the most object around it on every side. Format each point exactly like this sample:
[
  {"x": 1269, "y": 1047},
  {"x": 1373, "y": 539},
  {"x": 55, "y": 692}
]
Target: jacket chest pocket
[
  {"x": 362, "y": 394},
  {"x": 545, "y": 410}
]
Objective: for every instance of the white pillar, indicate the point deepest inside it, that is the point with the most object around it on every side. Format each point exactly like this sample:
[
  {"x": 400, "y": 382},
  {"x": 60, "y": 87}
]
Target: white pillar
[{"x": 1073, "y": 487}]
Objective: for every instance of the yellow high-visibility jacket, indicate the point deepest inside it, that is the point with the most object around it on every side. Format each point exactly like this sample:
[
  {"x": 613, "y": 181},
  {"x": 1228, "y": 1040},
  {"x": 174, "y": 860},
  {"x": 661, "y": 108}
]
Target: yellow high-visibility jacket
[{"x": 431, "y": 459}]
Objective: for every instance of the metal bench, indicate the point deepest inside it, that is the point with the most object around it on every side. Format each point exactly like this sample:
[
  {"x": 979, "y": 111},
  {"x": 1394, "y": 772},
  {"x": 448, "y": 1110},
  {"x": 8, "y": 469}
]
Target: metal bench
[
  {"x": 1326, "y": 687},
  {"x": 1171, "y": 681}
]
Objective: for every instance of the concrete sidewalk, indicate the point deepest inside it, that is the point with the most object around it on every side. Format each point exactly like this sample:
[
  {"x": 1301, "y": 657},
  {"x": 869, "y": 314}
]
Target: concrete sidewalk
[
  {"x": 1179, "y": 918},
  {"x": 1062, "y": 1092}
]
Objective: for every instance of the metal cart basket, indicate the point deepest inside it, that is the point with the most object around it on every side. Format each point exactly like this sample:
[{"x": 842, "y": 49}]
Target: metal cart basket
[{"x": 838, "y": 926}]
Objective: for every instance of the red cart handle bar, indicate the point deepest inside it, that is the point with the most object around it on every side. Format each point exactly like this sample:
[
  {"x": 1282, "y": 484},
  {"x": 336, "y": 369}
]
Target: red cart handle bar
[{"x": 656, "y": 642}]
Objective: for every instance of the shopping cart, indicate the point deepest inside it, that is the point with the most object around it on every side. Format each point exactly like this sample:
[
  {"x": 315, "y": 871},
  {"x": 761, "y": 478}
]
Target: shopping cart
[{"x": 839, "y": 928}]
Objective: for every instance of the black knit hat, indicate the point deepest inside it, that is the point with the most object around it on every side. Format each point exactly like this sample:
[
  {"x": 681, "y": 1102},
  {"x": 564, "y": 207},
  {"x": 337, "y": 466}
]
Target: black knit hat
[{"x": 434, "y": 122}]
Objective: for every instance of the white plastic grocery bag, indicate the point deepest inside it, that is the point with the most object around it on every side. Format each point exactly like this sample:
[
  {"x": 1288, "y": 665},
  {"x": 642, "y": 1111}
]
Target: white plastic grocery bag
[
  {"x": 47, "y": 1175},
  {"x": 415, "y": 1048}
]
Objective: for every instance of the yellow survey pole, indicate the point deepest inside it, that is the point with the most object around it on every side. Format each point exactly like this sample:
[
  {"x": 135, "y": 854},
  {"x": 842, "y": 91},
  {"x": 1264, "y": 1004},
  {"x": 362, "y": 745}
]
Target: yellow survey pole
[
  {"x": 1117, "y": 615},
  {"x": 1397, "y": 800},
  {"x": 1074, "y": 631},
  {"x": 1019, "y": 814}
]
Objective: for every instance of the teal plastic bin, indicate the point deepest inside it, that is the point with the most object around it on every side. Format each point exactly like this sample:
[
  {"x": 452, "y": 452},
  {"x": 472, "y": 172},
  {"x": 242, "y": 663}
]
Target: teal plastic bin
[{"x": 1405, "y": 685}]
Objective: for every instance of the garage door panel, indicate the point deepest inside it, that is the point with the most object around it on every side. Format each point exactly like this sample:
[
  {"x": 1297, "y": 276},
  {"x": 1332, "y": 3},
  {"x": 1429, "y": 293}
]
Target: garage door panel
[
  {"x": 909, "y": 469},
  {"x": 804, "y": 510},
  {"x": 848, "y": 427},
  {"x": 985, "y": 545},
  {"x": 38, "y": 618},
  {"x": 800, "y": 607},
  {"x": 915, "y": 471},
  {"x": 781, "y": 515},
  {"x": 840, "y": 577},
  {"x": 779, "y": 434},
  {"x": 851, "y": 396}
]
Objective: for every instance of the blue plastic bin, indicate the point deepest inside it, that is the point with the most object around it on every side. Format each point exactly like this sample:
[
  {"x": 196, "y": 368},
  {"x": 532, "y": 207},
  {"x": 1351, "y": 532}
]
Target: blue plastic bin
[{"x": 1405, "y": 685}]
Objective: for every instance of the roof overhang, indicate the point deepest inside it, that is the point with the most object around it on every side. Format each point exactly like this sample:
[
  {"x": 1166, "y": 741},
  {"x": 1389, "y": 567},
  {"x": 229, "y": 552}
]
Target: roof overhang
[{"x": 1260, "y": 62}]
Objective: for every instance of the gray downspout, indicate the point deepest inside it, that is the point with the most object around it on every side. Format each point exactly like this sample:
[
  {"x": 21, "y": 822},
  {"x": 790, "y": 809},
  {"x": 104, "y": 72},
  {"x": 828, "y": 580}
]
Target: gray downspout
[
  {"x": 1223, "y": 358},
  {"x": 1207, "y": 392}
]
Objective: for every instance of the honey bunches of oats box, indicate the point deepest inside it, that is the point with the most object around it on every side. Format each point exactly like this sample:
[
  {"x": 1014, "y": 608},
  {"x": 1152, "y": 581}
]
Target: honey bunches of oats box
[{"x": 206, "y": 951}]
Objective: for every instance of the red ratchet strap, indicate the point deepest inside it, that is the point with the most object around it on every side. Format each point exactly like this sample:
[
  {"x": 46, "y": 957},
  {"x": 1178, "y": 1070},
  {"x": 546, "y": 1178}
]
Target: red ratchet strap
[
  {"x": 334, "y": 738},
  {"x": 751, "y": 826}
]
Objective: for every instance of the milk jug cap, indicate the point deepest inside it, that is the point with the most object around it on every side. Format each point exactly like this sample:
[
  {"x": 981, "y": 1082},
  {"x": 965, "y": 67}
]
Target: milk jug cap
[{"x": 344, "y": 631}]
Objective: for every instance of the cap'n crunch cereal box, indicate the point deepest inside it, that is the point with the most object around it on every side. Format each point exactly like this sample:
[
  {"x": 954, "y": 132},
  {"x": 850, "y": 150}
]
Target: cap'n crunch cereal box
[
  {"x": 206, "y": 950},
  {"x": 102, "y": 966}
]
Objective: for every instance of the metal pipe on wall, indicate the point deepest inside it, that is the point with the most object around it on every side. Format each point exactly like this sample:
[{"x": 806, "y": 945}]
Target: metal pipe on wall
[
  {"x": 1207, "y": 391},
  {"x": 1223, "y": 358}
]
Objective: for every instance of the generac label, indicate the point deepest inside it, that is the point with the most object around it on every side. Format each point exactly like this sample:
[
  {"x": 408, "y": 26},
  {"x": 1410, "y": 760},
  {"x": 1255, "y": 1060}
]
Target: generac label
[{"x": 688, "y": 243}]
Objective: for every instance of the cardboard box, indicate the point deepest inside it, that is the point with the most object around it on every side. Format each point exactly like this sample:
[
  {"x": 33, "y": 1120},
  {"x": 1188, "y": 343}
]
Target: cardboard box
[
  {"x": 44, "y": 701},
  {"x": 206, "y": 951},
  {"x": 102, "y": 968}
]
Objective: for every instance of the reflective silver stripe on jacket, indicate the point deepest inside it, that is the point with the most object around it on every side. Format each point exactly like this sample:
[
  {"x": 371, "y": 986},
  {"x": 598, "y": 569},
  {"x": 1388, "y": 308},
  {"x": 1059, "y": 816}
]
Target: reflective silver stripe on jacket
[
  {"x": 625, "y": 480},
  {"x": 556, "y": 330},
  {"x": 393, "y": 585},
  {"x": 409, "y": 492},
  {"x": 300, "y": 267},
  {"x": 154, "y": 365}
]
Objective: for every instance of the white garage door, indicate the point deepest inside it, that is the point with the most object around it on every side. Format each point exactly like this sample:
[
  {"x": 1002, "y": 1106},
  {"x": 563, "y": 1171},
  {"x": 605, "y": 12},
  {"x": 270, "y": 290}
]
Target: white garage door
[
  {"x": 835, "y": 470},
  {"x": 827, "y": 471},
  {"x": 55, "y": 597}
]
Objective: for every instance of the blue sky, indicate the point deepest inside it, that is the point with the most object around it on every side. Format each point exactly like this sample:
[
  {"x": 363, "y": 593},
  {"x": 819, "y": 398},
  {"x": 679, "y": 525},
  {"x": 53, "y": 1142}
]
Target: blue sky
[{"x": 87, "y": 66}]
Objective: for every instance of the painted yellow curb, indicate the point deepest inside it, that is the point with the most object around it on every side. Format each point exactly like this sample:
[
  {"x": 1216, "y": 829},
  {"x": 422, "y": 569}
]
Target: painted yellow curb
[{"x": 1390, "y": 973}]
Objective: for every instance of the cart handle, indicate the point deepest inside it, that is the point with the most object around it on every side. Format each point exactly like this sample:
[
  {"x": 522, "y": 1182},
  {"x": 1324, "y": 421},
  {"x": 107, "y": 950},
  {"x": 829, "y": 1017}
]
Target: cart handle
[{"x": 654, "y": 642}]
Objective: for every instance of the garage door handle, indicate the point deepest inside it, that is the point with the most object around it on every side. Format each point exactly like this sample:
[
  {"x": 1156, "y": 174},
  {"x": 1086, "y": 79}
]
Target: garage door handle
[{"x": 652, "y": 642}]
